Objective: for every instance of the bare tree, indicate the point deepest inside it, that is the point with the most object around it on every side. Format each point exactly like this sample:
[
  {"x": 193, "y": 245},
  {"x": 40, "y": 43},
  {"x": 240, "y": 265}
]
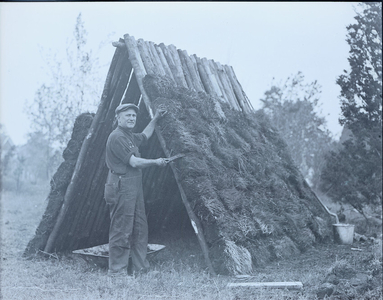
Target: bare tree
[{"x": 74, "y": 88}]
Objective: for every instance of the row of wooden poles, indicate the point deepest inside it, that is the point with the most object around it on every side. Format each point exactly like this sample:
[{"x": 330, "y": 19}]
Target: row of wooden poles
[{"x": 187, "y": 71}]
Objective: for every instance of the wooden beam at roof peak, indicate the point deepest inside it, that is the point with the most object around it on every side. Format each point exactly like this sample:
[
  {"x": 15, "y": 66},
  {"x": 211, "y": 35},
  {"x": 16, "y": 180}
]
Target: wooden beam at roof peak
[
  {"x": 118, "y": 44},
  {"x": 139, "y": 68}
]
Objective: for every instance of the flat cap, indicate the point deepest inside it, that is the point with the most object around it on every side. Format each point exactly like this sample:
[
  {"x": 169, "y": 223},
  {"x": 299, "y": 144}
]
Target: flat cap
[{"x": 126, "y": 106}]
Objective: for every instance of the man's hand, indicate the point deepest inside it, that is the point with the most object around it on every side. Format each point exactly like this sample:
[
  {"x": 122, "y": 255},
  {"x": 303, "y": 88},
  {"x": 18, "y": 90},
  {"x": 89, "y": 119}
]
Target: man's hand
[
  {"x": 161, "y": 162},
  {"x": 160, "y": 112},
  {"x": 149, "y": 129}
]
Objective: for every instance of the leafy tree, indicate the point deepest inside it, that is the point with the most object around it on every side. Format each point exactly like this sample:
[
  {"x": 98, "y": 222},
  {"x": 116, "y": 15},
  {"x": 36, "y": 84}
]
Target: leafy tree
[
  {"x": 37, "y": 164},
  {"x": 292, "y": 109},
  {"x": 361, "y": 89},
  {"x": 74, "y": 88},
  {"x": 353, "y": 174},
  {"x": 7, "y": 150},
  {"x": 28, "y": 164},
  {"x": 7, "y": 154},
  {"x": 6, "y": 165},
  {"x": 18, "y": 171}
]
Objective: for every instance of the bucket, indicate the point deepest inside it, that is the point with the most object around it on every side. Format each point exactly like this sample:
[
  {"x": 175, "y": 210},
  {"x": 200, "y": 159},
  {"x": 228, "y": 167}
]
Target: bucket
[{"x": 343, "y": 233}]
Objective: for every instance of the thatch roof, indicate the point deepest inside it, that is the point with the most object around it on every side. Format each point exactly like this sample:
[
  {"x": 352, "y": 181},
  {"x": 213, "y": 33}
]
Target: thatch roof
[{"x": 237, "y": 185}]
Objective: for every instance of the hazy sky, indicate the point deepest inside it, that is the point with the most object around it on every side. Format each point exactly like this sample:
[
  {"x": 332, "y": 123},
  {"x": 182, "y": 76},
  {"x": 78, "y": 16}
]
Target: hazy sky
[{"x": 261, "y": 41}]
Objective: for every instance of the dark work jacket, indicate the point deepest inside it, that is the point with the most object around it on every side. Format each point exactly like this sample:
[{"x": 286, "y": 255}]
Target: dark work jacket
[{"x": 121, "y": 145}]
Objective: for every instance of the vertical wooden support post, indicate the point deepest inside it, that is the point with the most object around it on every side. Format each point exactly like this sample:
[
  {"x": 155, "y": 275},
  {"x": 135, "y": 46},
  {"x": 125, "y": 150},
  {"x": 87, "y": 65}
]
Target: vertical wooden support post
[{"x": 140, "y": 73}]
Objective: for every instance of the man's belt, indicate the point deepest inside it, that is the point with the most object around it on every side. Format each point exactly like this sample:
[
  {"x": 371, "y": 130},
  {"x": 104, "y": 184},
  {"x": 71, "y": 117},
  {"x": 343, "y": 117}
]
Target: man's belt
[{"x": 118, "y": 174}]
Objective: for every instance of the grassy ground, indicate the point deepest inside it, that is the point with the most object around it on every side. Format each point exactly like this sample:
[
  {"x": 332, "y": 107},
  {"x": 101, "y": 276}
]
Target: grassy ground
[{"x": 177, "y": 272}]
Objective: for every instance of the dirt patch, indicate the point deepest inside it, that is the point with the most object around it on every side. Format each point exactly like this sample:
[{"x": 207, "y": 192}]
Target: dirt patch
[{"x": 354, "y": 273}]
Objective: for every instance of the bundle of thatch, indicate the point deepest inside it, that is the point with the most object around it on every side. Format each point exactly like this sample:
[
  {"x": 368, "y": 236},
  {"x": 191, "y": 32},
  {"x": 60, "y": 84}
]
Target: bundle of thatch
[
  {"x": 238, "y": 175},
  {"x": 59, "y": 184}
]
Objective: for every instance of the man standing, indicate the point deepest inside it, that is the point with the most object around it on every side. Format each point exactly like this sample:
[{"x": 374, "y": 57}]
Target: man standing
[{"x": 128, "y": 233}]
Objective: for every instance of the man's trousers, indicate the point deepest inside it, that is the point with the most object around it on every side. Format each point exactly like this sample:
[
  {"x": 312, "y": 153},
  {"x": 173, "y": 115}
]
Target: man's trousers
[{"x": 128, "y": 232}]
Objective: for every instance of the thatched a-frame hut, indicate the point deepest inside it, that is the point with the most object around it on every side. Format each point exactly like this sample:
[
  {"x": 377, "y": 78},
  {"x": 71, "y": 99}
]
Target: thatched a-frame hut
[{"x": 237, "y": 187}]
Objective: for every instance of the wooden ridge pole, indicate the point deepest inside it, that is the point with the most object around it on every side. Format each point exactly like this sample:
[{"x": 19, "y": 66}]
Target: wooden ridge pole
[
  {"x": 119, "y": 44},
  {"x": 135, "y": 58}
]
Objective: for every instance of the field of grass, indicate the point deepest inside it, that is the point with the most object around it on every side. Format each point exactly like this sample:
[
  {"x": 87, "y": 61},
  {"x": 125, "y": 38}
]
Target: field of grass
[{"x": 177, "y": 272}]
